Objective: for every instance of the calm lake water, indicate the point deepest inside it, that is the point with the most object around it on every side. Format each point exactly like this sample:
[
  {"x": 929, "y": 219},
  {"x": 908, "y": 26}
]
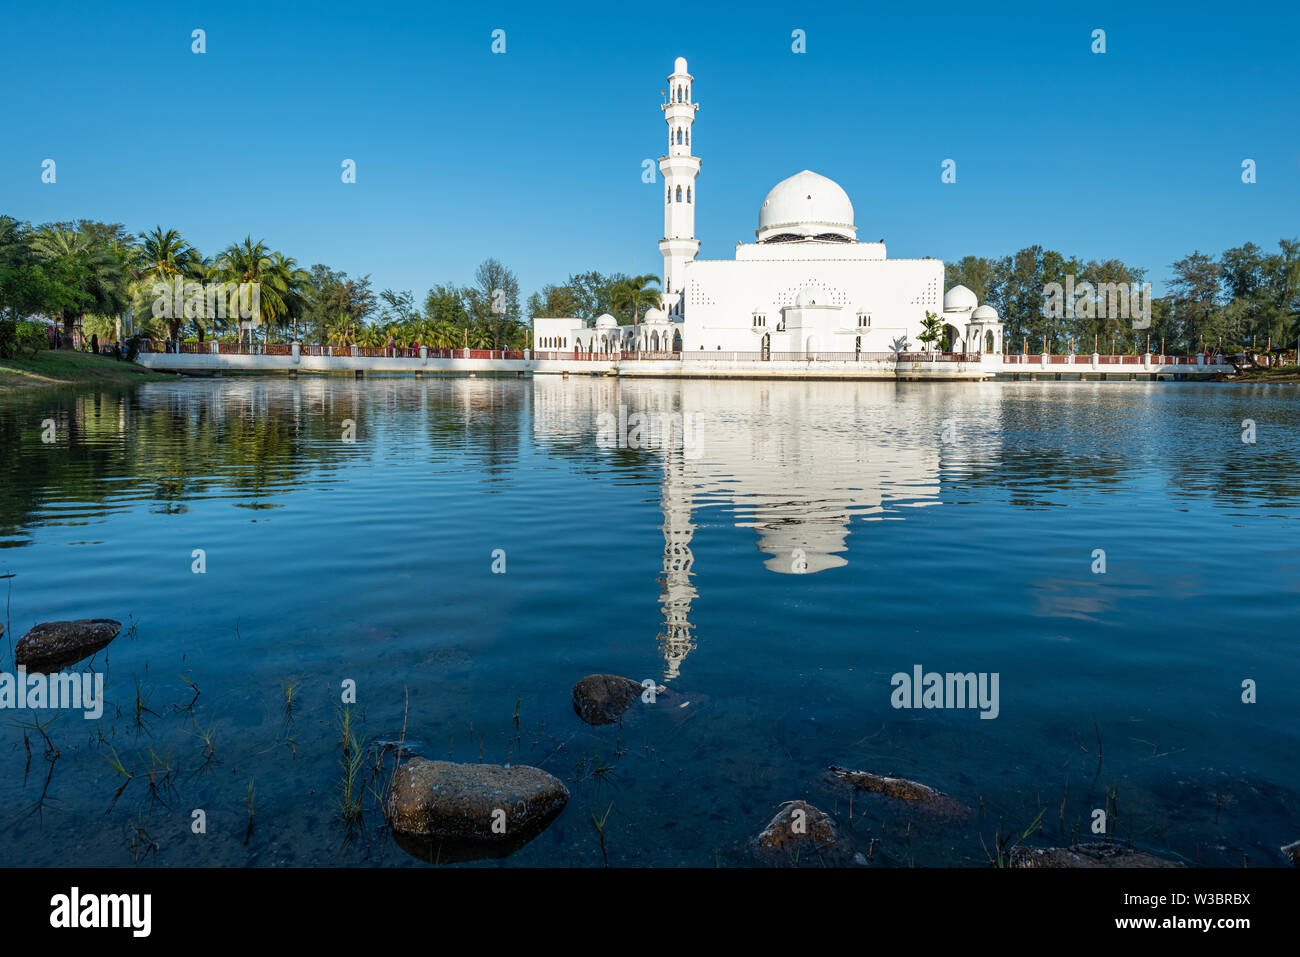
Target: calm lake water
[{"x": 806, "y": 543}]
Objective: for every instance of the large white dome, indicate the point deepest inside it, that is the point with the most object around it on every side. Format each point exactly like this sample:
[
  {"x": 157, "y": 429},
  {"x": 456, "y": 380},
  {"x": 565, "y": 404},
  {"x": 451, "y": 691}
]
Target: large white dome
[
  {"x": 806, "y": 205},
  {"x": 959, "y": 299},
  {"x": 986, "y": 313},
  {"x": 606, "y": 321}
]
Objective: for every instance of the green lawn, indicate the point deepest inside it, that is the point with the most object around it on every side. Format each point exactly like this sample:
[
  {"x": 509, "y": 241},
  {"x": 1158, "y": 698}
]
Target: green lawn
[
  {"x": 1277, "y": 374},
  {"x": 68, "y": 368}
]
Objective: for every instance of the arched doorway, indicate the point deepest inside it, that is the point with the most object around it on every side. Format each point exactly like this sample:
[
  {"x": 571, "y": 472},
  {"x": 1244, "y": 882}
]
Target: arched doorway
[
  {"x": 677, "y": 341},
  {"x": 988, "y": 341}
]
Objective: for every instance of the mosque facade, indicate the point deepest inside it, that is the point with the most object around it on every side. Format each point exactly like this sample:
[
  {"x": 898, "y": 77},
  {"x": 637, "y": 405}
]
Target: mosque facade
[{"x": 805, "y": 287}]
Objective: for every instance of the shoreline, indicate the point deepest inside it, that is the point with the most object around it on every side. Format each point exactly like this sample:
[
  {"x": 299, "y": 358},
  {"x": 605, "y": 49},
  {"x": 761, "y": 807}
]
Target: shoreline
[{"x": 68, "y": 369}]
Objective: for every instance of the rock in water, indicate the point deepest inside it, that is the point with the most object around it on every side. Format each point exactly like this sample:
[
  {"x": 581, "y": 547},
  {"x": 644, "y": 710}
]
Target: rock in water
[
  {"x": 1293, "y": 852},
  {"x": 1086, "y": 855},
  {"x": 602, "y": 699},
  {"x": 801, "y": 833},
  {"x": 443, "y": 800},
  {"x": 913, "y": 792},
  {"x": 52, "y": 645}
]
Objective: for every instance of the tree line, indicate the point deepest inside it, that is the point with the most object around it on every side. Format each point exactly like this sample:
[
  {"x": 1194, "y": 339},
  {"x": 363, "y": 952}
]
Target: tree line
[
  {"x": 1245, "y": 298},
  {"x": 96, "y": 276}
]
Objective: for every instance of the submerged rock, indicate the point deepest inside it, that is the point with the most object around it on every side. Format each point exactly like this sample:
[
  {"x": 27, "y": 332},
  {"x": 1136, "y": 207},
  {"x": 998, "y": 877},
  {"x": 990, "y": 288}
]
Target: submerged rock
[
  {"x": 921, "y": 795},
  {"x": 1086, "y": 855},
  {"x": 801, "y": 833},
  {"x": 52, "y": 645},
  {"x": 602, "y": 699},
  {"x": 443, "y": 800},
  {"x": 1293, "y": 851}
]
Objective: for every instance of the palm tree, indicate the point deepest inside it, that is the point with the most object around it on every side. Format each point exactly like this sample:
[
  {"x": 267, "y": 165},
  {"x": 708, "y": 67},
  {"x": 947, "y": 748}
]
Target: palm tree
[
  {"x": 92, "y": 268},
  {"x": 293, "y": 284},
  {"x": 374, "y": 336},
  {"x": 633, "y": 293},
  {"x": 252, "y": 262},
  {"x": 342, "y": 331},
  {"x": 163, "y": 257}
]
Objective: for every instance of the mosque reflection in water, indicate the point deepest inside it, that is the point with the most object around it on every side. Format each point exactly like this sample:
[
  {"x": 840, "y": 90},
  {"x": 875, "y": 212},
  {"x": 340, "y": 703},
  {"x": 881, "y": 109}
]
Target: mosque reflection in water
[{"x": 797, "y": 462}]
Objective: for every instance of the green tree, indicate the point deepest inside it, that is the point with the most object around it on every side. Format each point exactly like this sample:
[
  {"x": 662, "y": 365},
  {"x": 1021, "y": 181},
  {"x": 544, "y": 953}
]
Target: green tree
[
  {"x": 633, "y": 293},
  {"x": 277, "y": 279},
  {"x": 931, "y": 330},
  {"x": 493, "y": 305},
  {"x": 164, "y": 257},
  {"x": 1196, "y": 289},
  {"x": 90, "y": 262}
]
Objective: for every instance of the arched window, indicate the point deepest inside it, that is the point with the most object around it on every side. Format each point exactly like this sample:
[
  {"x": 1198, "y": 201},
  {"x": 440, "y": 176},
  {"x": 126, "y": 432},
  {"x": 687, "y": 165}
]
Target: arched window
[
  {"x": 688, "y": 137},
  {"x": 688, "y": 194},
  {"x": 679, "y": 194}
]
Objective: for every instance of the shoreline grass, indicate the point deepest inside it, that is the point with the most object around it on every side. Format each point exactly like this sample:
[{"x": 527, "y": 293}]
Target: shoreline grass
[{"x": 71, "y": 369}]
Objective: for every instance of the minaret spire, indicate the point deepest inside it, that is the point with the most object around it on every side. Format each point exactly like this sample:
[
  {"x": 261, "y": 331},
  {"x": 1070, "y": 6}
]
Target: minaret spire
[{"x": 680, "y": 169}]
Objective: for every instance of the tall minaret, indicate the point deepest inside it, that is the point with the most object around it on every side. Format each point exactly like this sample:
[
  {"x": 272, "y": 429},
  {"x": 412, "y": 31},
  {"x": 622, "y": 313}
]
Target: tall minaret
[{"x": 679, "y": 169}]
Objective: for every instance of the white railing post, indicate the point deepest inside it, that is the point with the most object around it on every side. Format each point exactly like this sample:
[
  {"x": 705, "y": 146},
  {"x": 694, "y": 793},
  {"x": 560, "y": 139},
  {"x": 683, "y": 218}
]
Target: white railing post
[
  {"x": 1096, "y": 361},
  {"x": 297, "y": 352}
]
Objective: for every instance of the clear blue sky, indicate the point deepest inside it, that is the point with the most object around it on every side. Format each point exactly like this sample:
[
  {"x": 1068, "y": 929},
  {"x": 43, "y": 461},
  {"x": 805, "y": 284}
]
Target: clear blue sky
[{"x": 534, "y": 156}]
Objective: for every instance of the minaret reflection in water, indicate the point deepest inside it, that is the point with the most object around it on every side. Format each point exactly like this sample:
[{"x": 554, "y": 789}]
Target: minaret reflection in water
[{"x": 795, "y": 461}]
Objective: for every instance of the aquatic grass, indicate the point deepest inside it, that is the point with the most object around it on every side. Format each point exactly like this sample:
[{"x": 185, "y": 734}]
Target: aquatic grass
[
  {"x": 350, "y": 792},
  {"x": 116, "y": 764},
  {"x": 51, "y": 752},
  {"x": 141, "y": 843},
  {"x": 1005, "y": 845},
  {"x": 248, "y": 800},
  {"x": 193, "y": 687},
  {"x": 383, "y": 798},
  {"x": 208, "y": 736},
  {"x": 160, "y": 776},
  {"x": 600, "y": 830},
  {"x": 142, "y": 704}
]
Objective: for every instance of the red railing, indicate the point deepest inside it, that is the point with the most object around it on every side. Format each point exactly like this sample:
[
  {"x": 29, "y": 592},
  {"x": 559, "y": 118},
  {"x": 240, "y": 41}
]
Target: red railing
[
  {"x": 939, "y": 356},
  {"x": 590, "y": 356},
  {"x": 699, "y": 355}
]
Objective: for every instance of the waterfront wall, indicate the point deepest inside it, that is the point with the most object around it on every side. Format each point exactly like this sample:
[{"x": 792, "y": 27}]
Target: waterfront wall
[{"x": 975, "y": 367}]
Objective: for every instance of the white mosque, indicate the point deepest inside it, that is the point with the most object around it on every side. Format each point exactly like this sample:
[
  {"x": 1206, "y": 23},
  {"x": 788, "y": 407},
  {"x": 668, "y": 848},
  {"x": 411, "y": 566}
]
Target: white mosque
[{"x": 806, "y": 285}]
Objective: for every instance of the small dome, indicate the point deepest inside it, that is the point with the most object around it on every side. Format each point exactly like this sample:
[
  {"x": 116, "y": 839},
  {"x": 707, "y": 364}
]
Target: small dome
[
  {"x": 986, "y": 313},
  {"x": 958, "y": 298},
  {"x": 655, "y": 314},
  {"x": 606, "y": 322},
  {"x": 806, "y": 205},
  {"x": 806, "y": 297},
  {"x": 679, "y": 65}
]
